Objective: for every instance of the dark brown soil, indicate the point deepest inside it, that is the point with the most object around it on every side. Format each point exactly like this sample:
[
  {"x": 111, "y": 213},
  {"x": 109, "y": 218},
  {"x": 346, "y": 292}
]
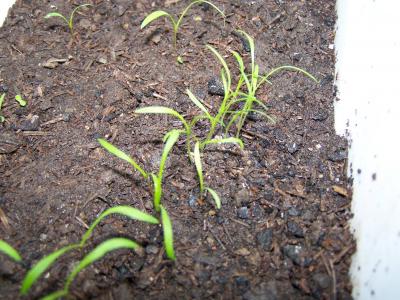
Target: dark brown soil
[{"x": 283, "y": 229}]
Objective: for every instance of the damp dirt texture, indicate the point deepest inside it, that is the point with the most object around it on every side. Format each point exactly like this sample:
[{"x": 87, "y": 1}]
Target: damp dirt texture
[{"x": 283, "y": 229}]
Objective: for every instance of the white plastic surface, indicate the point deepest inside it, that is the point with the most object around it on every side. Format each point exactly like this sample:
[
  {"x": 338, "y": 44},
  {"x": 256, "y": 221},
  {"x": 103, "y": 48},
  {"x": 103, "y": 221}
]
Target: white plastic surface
[
  {"x": 4, "y": 6},
  {"x": 368, "y": 64}
]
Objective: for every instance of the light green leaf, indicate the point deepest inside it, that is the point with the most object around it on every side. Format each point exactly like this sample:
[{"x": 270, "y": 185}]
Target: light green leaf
[
  {"x": 225, "y": 141},
  {"x": 99, "y": 252},
  {"x": 157, "y": 191},
  {"x": 10, "y": 251},
  {"x": 122, "y": 155},
  {"x": 215, "y": 196},
  {"x": 71, "y": 18},
  {"x": 223, "y": 63},
  {"x": 56, "y": 14},
  {"x": 168, "y": 234},
  {"x": 173, "y": 136},
  {"x": 55, "y": 295},
  {"x": 21, "y": 101},
  {"x": 42, "y": 265},
  {"x": 199, "y": 168},
  {"x": 154, "y": 16},
  {"x": 198, "y": 103},
  {"x": 161, "y": 110},
  {"x": 252, "y": 48},
  {"x": 123, "y": 210},
  {"x": 290, "y": 68}
]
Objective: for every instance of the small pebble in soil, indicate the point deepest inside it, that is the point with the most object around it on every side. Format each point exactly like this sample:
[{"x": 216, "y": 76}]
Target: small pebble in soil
[
  {"x": 293, "y": 212},
  {"x": 192, "y": 201},
  {"x": 320, "y": 116},
  {"x": 264, "y": 239},
  {"x": 295, "y": 229},
  {"x": 31, "y": 123},
  {"x": 297, "y": 254},
  {"x": 292, "y": 147},
  {"x": 242, "y": 198},
  {"x": 322, "y": 280},
  {"x": 243, "y": 212},
  {"x": 215, "y": 86},
  {"x": 151, "y": 249},
  {"x": 337, "y": 156}
]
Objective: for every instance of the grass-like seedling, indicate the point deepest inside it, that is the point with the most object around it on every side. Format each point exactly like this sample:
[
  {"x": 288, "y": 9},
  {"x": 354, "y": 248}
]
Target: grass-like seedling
[
  {"x": 97, "y": 253},
  {"x": 247, "y": 95},
  {"x": 169, "y": 139},
  {"x": 20, "y": 100},
  {"x": 2, "y": 119},
  {"x": 9, "y": 251},
  {"x": 70, "y": 20},
  {"x": 168, "y": 234},
  {"x": 46, "y": 262},
  {"x": 175, "y": 22}
]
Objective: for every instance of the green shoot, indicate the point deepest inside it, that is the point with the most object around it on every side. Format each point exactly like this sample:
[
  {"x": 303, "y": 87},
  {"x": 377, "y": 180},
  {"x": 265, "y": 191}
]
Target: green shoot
[
  {"x": 176, "y": 23},
  {"x": 170, "y": 140},
  {"x": 55, "y": 295},
  {"x": 199, "y": 168},
  {"x": 2, "y": 119},
  {"x": 168, "y": 111},
  {"x": 21, "y": 101},
  {"x": 99, "y": 252},
  {"x": 215, "y": 196},
  {"x": 157, "y": 183},
  {"x": 123, "y": 210},
  {"x": 70, "y": 21},
  {"x": 288, "y": 68},
  {"x": 41, "y": 266},
  {"x": 9, "y": 251},
  {"x": 122, "y": 155},
  {"x": 168, "y": 234}
]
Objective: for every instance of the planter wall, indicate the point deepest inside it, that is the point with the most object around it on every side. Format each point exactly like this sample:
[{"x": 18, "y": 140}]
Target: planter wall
[{"x": 368, "y": 47}]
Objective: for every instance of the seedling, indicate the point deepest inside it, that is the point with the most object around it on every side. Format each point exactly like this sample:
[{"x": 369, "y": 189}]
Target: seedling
[
  {"x": 168, "y": 234},
  {"x": 97, "y": 253},
  {"x": 70, "y": 21},
  {"x": 2, "y": 119},
  {"x": 20, "y": 101},
  {"x": 46, "y": 262},
  {"x": 175, "y": 22},
  {"x": 9, "y": 251},
  {"x": 247, "y": 96}
]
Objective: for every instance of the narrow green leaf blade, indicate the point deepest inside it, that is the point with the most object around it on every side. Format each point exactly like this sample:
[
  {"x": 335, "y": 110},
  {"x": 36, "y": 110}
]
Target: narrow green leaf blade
[
  {"x": 197, "y": 102},
  {"x": 122, "y": 155},
  {"x": 168, "y": 234},
  {"x": 199, "y": 168},
  {"x": 223, "y": 63},
  {"x": 123, "y": 210},
  {"x": 172, "y": 137},
  {"x": 154, "y": 16},
  {"x": 99, "y": 252},
  {"x": 55, "y": 14},
  {"x": 10, "y": 251},
  {"x": 290, "y": 68},
  {"x": 42, "y": 265},
  {"x": 232, "y": 140},
  {"x": 215, "y": 196},
  {"x": 55, "y": 295},
  {"x": 157, "y": 191},
  {"x": 2, "y": 99}
]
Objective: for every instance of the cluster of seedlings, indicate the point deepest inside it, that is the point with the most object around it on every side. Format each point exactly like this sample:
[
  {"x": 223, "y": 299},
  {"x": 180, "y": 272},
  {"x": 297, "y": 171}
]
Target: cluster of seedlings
[{"x": 225, "y": 126}]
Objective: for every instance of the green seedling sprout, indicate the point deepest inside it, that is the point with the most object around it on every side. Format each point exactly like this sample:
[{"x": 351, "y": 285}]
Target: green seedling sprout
[
  {"x": 168, "y": 234},
  {"x": 199, "y": 169},
  {"x": 120, "y": 154},
  {"x": 2, "y": 119},
  {"x": 175, "y": 22},
  {"x": 97, "y": 253},
  {"x": 170, "y": 139},
  {"x": 70, "y": 21},
  {"x": 8, "y": 250},
  {"x": 171, "y": 112},
  {"x": 46, "y": 262},
  {"x": 20, "y": 101}
]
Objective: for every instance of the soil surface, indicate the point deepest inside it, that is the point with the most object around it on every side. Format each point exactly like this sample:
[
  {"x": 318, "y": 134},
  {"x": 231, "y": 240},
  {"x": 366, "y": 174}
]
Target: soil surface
[{"x": 283, "y": 230}]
